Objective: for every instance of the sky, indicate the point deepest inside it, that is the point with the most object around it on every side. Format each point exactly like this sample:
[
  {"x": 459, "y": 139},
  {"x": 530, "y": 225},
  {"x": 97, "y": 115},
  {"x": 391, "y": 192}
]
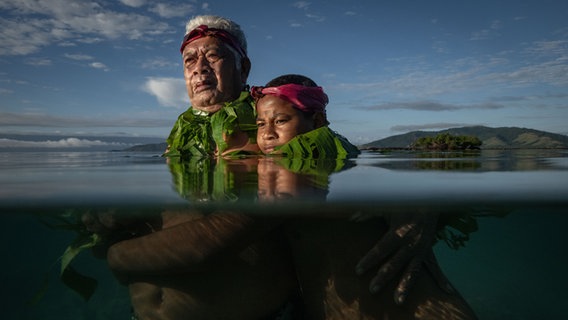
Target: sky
[{"x": 76, "y": 68}]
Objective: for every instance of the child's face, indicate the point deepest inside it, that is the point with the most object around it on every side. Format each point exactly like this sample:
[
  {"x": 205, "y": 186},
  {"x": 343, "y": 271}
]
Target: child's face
[{"x": 278, "y": 122}]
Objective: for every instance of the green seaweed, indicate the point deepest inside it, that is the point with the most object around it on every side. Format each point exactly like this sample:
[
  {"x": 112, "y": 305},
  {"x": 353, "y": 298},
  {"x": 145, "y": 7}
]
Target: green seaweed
[{"x": 83, "y": 285}]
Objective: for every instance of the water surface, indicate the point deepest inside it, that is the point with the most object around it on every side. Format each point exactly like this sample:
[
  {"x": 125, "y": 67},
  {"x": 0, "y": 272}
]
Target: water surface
[{"x": 511, "y": 268}]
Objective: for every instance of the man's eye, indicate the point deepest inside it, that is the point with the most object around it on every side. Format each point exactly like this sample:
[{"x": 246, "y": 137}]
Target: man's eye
[
  {"x": 260, "y": 124},
  {"x": 281, "y": 121},
  {"x": 213, "y": 57},
  {"x": 189, "y": 61}
]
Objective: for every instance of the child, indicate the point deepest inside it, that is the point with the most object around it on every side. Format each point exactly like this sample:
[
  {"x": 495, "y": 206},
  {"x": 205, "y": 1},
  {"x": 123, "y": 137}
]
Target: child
[{"x": 291, "y": 122}]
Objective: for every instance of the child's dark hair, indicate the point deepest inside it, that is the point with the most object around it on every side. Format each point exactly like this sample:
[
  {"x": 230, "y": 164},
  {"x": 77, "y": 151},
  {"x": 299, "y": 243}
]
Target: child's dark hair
[{"x": 291, "y": 78}]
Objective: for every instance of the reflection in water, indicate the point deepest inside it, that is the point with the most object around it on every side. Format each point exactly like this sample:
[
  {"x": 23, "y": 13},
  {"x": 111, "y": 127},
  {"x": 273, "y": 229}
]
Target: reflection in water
[
  {"x": 214, "y": 180},
  {"x": 474, "y": 160},
  {"x": 296, "y": 179}
]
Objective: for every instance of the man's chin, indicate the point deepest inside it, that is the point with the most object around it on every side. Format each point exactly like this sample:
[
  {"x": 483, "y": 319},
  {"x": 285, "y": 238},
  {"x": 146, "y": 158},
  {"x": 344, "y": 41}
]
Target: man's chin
[{"x": 205, "y": 101}]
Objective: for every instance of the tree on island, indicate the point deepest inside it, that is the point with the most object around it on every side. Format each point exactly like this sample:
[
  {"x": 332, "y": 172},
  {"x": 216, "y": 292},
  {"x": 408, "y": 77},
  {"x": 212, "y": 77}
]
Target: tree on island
[{"x": 446, "y": 141}]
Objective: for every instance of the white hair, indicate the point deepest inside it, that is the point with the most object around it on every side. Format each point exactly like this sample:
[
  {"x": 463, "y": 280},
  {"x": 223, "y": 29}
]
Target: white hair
[{"x": 218, "y": 23}]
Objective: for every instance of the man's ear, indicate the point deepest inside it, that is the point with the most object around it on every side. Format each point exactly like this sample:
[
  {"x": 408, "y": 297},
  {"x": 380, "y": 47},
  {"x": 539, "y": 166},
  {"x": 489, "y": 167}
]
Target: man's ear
[
  {"x": 320, "y": 120},
  {"x": 245, "y": 69}
]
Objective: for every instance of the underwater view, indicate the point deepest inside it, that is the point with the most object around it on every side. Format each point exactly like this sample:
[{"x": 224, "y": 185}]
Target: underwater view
[{"x": 500, "y": 240}]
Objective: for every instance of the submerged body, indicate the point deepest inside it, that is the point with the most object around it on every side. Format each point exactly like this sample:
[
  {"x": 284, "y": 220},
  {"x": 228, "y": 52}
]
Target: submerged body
[
  {"x": 326, "y": 251},
  {"x": 207, "y": 267}
]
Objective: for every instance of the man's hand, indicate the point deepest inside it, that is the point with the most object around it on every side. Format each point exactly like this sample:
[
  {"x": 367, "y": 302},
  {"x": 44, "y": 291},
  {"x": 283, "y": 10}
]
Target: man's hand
[{"x": 406, "y": 247}]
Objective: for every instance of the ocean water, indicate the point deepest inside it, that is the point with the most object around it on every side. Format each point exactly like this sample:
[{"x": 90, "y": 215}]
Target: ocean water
[{"x": 512, "y": 267}]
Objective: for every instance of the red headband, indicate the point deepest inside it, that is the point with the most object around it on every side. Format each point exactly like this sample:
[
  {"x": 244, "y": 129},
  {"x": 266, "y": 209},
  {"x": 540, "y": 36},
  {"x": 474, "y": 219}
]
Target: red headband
[
  {"x": 204, "y": 31},
  {"x": 306, "y": 99}
]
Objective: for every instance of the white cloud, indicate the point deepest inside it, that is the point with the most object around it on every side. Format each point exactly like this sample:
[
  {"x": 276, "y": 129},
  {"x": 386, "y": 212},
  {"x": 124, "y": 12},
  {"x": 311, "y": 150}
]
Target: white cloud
[
  {"x": 431, "y": 106},
  {"x": 165, "y": 10},
  {"x": 488, "y": 33},
  {"x": 78, "y": 57},
  {"x": 549, "y": 48},
  {"x": 159, "y": 63},
  {"x": 170, "y": 92},
  {"x": 62, "y": 143},
  {"x": 67, "y": 44},
  {"x": 17, "y": 38},
  {"x": 317, "y": 18},
  {"x": 90, "y": 40},
  {"x": 468, "y": 80},
  {"x": 52, "y": 121},
  {"x": 496, "y": 24},
  {"x": 28, "y": 25},
  {"x": 99, "y": 65},
  {"x": 133, "y": 3},
  {"x": 301, "y": 4},
  {"x": 38, "y": 61},
  {"x": 428, "y": 126}
]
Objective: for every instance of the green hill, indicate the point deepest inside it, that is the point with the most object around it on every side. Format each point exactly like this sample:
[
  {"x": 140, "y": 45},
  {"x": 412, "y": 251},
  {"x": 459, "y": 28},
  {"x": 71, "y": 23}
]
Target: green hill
[
  {"x": 493, "y": 138},
  {"x": 154, "y": 147}
]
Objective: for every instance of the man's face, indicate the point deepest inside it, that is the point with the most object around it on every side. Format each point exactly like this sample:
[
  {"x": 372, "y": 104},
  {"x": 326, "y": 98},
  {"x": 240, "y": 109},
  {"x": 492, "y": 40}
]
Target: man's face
[
  {"x": 211, "y": 74},
  {"x": 278, "y": 122}
]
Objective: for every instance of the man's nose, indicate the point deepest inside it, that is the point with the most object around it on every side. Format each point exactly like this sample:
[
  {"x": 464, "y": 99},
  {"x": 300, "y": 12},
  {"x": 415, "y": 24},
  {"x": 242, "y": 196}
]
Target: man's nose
[{"x": 201, "y": 65}]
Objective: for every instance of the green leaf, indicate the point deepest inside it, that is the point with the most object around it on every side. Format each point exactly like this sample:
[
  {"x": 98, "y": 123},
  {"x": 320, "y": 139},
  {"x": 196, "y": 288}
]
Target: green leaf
[
  {"x": 197, "y": 133},
  {"x": 81, "y": 242},
  {"x": 321, "y": 143}
]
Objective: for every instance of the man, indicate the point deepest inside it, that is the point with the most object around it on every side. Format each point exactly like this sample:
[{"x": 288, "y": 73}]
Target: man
[
  {"x": 221, "y": 119},
  {"x": 206, "y": 264},
  {"x": 221, "y": 122}
]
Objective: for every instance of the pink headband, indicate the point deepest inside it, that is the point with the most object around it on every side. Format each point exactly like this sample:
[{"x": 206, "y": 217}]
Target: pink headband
[
  {"x": 306, "y": 99},
  {"x": 204, "y": 31}
]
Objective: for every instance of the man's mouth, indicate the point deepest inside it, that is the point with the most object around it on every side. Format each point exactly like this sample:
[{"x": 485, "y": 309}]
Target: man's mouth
[{"x": 202, "y": 86}]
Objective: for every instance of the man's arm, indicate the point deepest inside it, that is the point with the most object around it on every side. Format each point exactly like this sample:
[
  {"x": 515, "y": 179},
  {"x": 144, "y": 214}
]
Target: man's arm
[
  {"x": 188, "y": 246},
  {"x": 405, "y": 249}
]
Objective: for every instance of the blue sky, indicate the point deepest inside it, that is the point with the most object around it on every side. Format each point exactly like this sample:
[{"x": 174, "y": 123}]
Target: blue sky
[{"x": 112, "y": 68}]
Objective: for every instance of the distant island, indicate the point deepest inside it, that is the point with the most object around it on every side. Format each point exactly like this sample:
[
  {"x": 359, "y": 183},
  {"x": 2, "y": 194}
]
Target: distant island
[
  {"x": 152, "y": 147},
  {"x": 491, "y": 138},
  {"x": 446, "y": 141}
]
